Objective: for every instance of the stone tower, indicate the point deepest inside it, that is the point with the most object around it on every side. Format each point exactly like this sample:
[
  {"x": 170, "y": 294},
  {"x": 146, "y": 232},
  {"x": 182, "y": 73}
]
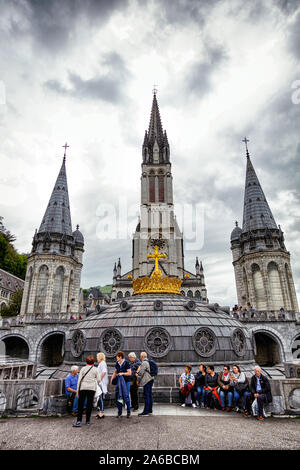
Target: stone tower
[
  {"x": 157, "y": 224},
  {"x": 52, "y": 282},
  {"x": 261, "y": 261}
]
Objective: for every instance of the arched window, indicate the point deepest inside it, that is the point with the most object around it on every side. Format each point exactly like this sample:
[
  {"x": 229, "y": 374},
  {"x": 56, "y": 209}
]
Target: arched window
[
  {"x": 161, "y": 188},
  {"x": 151, "y": 188},
  {"x": 275, "y": 286},
  {"x": 259, "y": 290},
  {"x": 41, "y": 289},
  {"x": 120, "y": 295},
  {"x": 182, "y": 293},
  {"x": 127, "y": 294},
  {"x": 58, "y": 290},
  {"x": 245, "y": 282},
  {"x": 70, "y": 289},
  {"x": 189, "y": 293},
  {"x": 197, "y": 294},
  {"x": 30, "y": 276},
  {"x": 289, "y": 285}
]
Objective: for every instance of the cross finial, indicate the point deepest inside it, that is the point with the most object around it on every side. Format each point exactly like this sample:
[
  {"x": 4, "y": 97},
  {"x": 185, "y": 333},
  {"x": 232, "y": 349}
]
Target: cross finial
[
  {"x": 156, "y": 257},
  {"x": 77, "y": 227},
  {"x": 154, "y": 89},
  {"x": 245, "y": 140},
  {"x": 65, "y": 153}
]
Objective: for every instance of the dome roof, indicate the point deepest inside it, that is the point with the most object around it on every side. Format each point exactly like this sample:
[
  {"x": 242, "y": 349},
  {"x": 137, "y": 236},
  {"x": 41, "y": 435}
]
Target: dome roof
[
  {"x": 236, "y": 232},
  {"x": 78, "y": 237},
  {"x": 170, "y": 328}
]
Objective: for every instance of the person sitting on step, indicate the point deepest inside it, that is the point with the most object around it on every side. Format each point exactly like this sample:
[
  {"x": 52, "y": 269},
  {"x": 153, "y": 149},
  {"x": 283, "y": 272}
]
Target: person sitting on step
[{"x": 186, "y": 386}]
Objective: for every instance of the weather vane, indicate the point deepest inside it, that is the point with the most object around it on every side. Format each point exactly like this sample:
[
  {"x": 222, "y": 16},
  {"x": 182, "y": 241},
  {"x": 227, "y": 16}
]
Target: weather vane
[{"x": 154, "y": 89}]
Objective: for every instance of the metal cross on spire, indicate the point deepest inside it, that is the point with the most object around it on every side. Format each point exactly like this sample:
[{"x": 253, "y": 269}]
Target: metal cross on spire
[
  {"x": 245, "y": 140},
  {"x": 65, "y": 153},
  {"x": 154, "y": 89}
]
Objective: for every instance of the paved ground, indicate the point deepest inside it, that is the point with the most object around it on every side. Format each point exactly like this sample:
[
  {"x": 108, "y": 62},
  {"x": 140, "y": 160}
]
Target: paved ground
[{"x": 171, "y": 427}]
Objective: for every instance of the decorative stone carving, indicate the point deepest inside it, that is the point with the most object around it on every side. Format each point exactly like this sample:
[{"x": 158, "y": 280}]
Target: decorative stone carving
[
  {"x": 190, "y": 305},
  {"x": 204, "y": 342},
  {"x": 78, "y": 343},
  {"x": 158, "y": 305},
  {"x": 238, "y": 341},
  {"x": 111, "y": 341},
  {"x": 157, "y": 342},
  {"x": 124, "y": 305}
]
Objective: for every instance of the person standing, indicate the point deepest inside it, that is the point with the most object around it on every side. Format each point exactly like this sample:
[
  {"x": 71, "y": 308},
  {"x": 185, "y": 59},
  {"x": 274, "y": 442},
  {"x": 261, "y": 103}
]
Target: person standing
[
  {"x": 103, "y": 373},
  {"x": 145, "y": 380},
  {"x": 87, "y": 384},
  {"x": 134, "y": 365},
  {"x": 121, "y": 378}
]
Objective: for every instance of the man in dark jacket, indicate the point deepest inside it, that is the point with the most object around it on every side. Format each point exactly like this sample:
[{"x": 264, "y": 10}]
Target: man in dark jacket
[{"x": 261, "y": 390}]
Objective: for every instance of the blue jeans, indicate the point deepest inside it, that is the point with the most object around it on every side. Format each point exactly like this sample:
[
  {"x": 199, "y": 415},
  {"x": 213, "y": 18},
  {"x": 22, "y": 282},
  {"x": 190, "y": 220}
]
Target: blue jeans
[
  {"x": 148, "y": 399},
  {"x": 236, "y": 397},
  {"x": 201, "y": 393},
  {"x": 223, "y": 395},
  {"x": 75, "y": 403},
  {"x": 100, "y": 403},
  {"x": 119, "y": 405}
]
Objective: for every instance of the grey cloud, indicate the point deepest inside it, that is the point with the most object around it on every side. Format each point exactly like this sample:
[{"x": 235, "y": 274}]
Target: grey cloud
[
  {"x": 294, "y": 36},
  {"x": 108, "y": 87},
  {"x": 200, "y": 74},
  {"x": 287, "y": 6},
  {"x": 183, "y": 11},
  {"x": 51, "y": 22}
]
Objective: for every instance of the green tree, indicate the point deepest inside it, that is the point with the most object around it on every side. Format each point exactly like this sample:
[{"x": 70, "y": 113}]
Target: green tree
[
  {"x": 14, "y": 305},
  {"x": 10, "y": 260}
]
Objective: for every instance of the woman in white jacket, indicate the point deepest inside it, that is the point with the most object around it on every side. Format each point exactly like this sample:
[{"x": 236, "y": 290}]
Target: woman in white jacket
[{"x": 102, "y": 390}]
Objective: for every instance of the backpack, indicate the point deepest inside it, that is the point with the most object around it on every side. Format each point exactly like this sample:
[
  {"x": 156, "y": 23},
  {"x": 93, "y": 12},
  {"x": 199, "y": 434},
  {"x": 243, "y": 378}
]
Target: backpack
[{"x": 153, "y": 368}]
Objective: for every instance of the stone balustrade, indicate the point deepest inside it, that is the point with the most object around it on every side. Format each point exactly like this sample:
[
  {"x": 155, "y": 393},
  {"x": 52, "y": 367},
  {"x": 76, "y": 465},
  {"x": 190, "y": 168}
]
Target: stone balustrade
[
  {"x": 265, "y": 315},
  {"x": 20, "y": 321}
]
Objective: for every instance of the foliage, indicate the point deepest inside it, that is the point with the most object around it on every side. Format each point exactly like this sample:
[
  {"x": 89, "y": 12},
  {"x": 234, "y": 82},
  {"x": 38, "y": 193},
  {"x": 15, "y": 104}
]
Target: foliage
[
  {"x": 14, "y": 306},
  {"x": 10, "y": 260},
  {"x": 6, "y": 233}
]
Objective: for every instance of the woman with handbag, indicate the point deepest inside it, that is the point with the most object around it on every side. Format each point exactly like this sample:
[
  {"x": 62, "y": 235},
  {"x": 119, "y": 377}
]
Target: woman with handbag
[
  {"x": 239, "y": 383},
  {"x": 87, "y": 383}
]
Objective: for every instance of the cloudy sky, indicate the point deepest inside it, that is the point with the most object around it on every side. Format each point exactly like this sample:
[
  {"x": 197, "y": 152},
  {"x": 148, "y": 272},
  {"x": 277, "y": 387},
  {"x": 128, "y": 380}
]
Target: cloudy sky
[{"x": 83, "y": 72}]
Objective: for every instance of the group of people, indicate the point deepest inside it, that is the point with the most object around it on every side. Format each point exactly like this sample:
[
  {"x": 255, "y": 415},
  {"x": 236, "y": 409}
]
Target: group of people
[
  {"x": 229, "y": 390},
  {"x": 88, "y": 387}
]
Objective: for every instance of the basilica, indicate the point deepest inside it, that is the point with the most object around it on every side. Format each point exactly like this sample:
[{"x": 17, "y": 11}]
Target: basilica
[{"x": 159, "y": 306}]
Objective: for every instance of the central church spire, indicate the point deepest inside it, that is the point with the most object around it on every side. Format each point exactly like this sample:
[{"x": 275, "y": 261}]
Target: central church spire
[{"x": 156, "y": 146}]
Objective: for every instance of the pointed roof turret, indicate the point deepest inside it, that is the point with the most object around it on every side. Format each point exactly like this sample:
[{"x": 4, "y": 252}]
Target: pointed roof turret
[
  {"x": 155, "y": 146},
  {"x": 57, "y": 218},
  {"x": 257, "y": 213},
  {"x": 155, "y": 127}
]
